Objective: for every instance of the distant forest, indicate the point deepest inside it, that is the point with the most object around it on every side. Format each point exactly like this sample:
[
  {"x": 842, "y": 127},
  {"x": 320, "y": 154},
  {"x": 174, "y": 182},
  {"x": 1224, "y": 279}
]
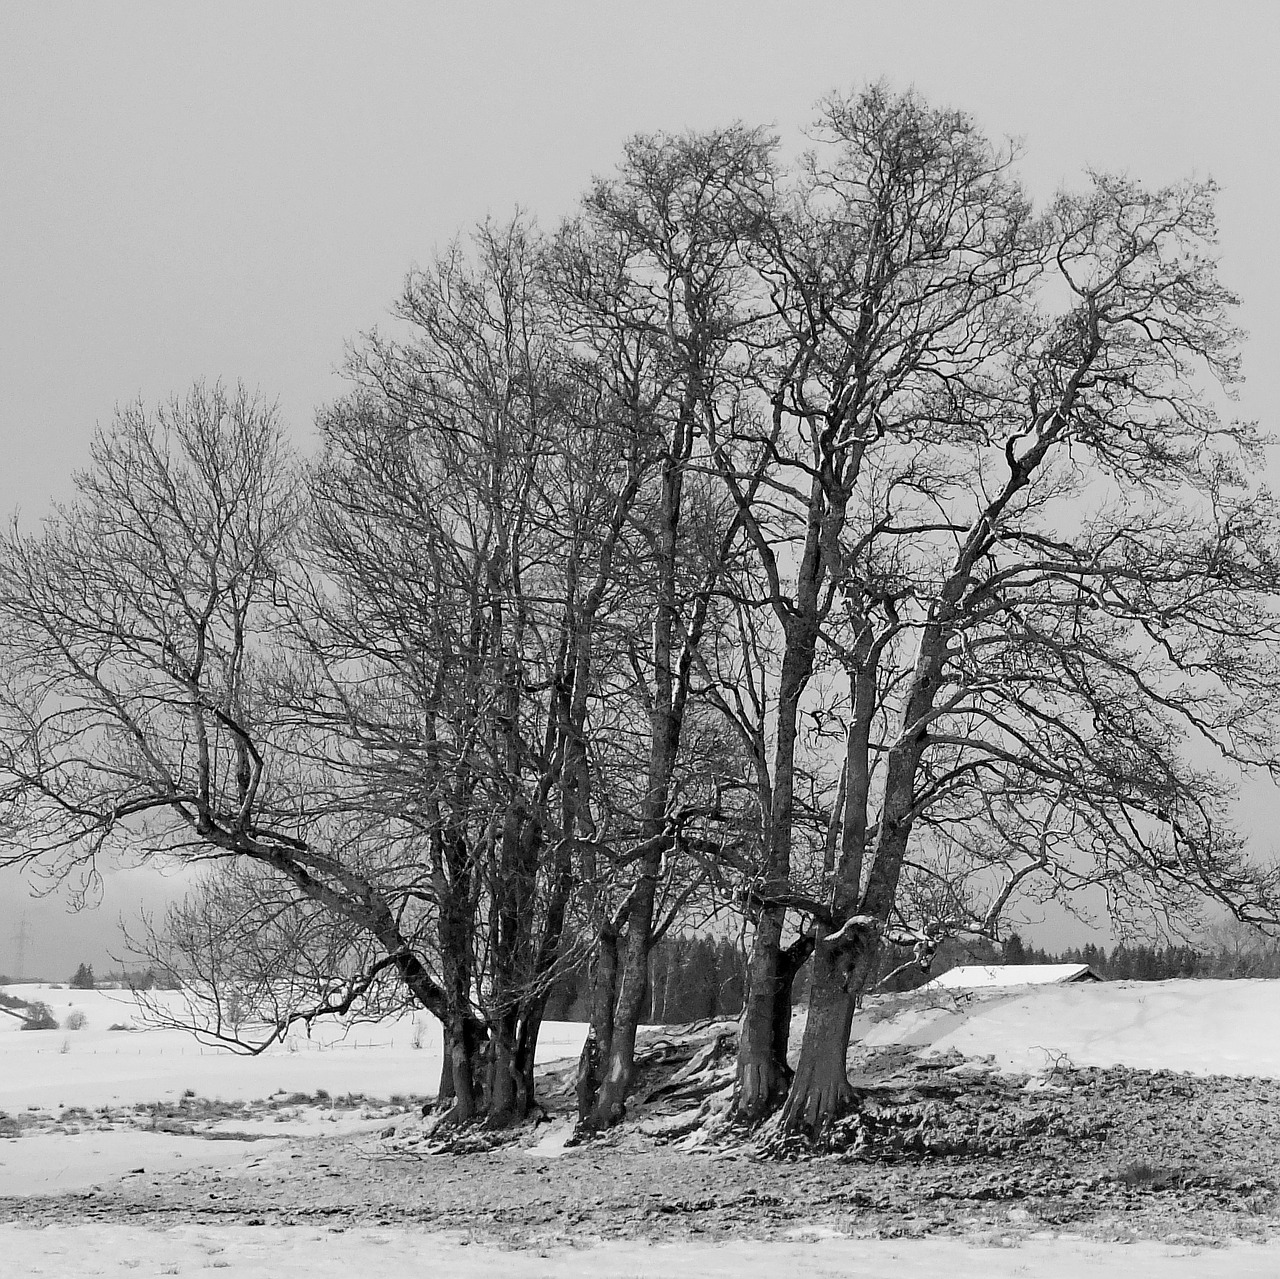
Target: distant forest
[
  {"x": 691, "y": 978},
  {"x": 1230, "y": 957},
  {"x": 696, "y": 977}
]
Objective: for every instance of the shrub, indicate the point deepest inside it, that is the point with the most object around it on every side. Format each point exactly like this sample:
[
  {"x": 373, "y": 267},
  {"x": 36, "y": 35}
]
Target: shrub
[
  {"x": 40, "y": 1017},
  {"x": 75, "y": 1021}
]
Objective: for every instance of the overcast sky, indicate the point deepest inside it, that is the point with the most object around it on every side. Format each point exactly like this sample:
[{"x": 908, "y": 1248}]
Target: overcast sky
[{"x": 236, "y": 190}]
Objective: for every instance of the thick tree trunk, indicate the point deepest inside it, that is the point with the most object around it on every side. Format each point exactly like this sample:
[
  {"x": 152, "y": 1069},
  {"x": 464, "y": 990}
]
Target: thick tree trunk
[
  {"x": 842, "y": 970},
  {"x": 465, "y": 1050},
  {"x": 790, "y": 962},
  {"x": 820, "y": 1090},
  {"x": 762, "y": 1071},
  {"x": 530, "y": 1025},
  {"x": 595, "y": 1051},
  {"x": 766, "y": 1011},
  {"x": 509, "y": 1091},
  {"x": 762, "y": 1043},
  {"x": 446, "y": 1091},
  {"x": 619, "y": 1063}
]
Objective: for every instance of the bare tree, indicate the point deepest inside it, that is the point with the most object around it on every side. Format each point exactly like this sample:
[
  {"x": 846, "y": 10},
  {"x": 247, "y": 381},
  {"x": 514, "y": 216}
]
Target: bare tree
[
  {"x": 1049, "y": 568},
  {"x": 856, "y": 542},
  {"x": 137, "y": 626},
  {"x": 1000, "y": 543},
  {"x": 460, "y": 553},
  {"x": 250, "y": 958},
  {"x": 649, "y": 292},
  {"x": 876, "y": 269}
]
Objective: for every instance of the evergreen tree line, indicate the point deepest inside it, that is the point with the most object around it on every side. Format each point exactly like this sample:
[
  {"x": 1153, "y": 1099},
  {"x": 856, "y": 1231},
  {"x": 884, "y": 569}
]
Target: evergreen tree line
[
  {"x": 690, "y": 978},
  {"x": 1233, "y": 954},
  {"x": 1226, "y": 958}
]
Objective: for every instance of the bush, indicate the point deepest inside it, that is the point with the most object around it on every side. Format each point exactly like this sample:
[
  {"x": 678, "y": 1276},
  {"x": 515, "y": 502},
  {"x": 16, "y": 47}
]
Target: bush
[
  {"x": 75, "y": 1021},
  {"x": 40, "y": 1017}
]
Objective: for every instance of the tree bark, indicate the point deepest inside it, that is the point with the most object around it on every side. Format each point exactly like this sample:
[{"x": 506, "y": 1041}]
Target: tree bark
[
  {"x": 446, "y": 1091},
  {"x": 619, "y": 1061},
  {"x": 465, "y": 1045},
  {"x": 595, "y": 1051},
  {"x": 762, "y": 1078},
  {"x": 762, "y": 1043},
  {"x": 820, "y": 1090}
]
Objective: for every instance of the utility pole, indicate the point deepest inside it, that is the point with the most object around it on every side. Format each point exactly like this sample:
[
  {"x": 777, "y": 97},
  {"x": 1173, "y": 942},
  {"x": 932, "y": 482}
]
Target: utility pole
[{"x": 21, "y": 937}]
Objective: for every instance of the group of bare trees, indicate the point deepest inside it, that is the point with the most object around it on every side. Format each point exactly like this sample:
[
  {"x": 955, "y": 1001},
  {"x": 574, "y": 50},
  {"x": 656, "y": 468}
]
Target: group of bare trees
[{"x": 846, "y": 548}]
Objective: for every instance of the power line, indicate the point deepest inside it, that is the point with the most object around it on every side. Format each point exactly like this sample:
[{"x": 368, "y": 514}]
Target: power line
[{"x": 21, "y": 938}]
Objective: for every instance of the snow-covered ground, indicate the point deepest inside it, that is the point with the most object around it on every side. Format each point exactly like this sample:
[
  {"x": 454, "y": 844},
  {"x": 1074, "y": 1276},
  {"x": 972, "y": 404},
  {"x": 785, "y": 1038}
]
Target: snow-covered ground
[
  {"x": 58, "y": 1163},
  {"x": 97, "y": 1066},
  {"x": 398, "y": 1253},
  {"x": 1207, "y": 1027},
  {"x": 1210, "y": 1027}
]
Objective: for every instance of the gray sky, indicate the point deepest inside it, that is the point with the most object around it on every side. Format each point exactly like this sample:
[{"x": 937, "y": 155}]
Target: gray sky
[{"x": 236, "y": 190}]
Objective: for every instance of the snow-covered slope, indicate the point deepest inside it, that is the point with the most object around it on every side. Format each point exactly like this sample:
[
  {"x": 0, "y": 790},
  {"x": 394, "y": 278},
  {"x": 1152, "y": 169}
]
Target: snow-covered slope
[{"x": 1207, "y": 1027}]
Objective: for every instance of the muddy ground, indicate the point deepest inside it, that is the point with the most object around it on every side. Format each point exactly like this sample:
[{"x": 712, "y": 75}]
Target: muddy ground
[{"x": 933, "y": 1145}]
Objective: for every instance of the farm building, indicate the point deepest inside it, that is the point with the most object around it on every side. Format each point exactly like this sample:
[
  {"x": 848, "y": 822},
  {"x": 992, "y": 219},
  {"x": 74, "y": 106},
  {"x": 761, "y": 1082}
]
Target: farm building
[{"x": 992, "y": 976}]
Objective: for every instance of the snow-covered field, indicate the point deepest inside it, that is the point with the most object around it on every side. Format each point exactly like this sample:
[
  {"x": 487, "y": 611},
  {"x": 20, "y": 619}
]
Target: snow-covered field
[
  {"x": 97, "y": 1066},
  {"x": 1206, "y": 1027},
  {"x": 49, "y": 1070}
]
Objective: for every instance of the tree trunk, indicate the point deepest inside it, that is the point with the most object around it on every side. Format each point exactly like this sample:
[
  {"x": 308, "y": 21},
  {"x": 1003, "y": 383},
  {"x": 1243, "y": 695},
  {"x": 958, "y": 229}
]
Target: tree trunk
[
  {"x": 465, "y": 1050},
  {"x": 790, "y": 962},
  {"x": 762, "y": 1073},
  {"x": 526, "y": 1055},
  {"x": 595, "y": 1051},
  {"x": 762, "y": 1044},
  {"x": 842, "y": 971},
  {"x": 619, "y": 1063},
  {"x": 820, "y": 1090},
  {"x": 509, "y": 1094},
  {"x": 446, "y": 1091}
]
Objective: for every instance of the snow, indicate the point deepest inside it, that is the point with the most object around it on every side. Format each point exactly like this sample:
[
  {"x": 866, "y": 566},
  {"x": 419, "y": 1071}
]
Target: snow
[
  {"x": 57, "y": 1163},
  {"x": 398, "y": 1253},
  {"x": 554, "y": 1144},
  {"x": 1206, "y": 1027},
  {"x": 97, "y": 1066},
  {"x": 985, "y": 976}
]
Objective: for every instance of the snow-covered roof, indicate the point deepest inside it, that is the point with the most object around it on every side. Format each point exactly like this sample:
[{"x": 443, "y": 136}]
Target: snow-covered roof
[{"x": 986, "y": 976}]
